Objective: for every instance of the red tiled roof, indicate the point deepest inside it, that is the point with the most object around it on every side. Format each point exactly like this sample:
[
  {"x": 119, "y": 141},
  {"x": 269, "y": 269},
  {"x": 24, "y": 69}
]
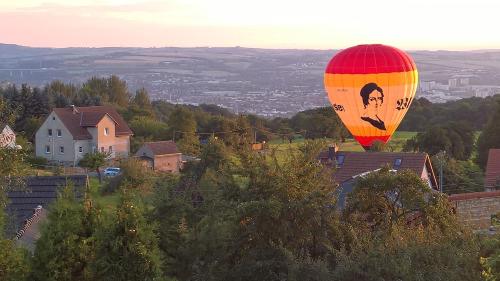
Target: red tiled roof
[
  {"x": 76, "y": 122},
  {"x": 162, "y": 147},
  {"x": 355, "y": 163},
  {"x": 492, "y": 176}
]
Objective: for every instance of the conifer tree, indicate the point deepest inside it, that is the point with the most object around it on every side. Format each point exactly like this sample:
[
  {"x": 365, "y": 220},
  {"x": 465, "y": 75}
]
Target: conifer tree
[
  {"x": 127, "y": 247},
  {"x": 65, "y": 248}
]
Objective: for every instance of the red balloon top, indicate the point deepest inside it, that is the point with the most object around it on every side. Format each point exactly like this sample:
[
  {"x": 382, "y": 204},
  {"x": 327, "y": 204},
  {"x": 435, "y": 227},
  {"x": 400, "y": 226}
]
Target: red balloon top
[{"x": 366, "y": 59}]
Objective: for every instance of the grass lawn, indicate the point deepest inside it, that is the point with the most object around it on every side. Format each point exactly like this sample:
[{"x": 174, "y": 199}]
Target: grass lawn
[
  {"x": 395, "y": 144},
  {"x": 107, "y": 202}
]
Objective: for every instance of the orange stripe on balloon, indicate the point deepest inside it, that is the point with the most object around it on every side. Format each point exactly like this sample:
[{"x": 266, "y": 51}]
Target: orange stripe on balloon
[{"x": 359, "y": 80}]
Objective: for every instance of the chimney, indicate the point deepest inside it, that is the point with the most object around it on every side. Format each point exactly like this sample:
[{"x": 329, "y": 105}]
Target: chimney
[
  {"x": 332, "y": 150},
  {"x": 75, "y": 110}
]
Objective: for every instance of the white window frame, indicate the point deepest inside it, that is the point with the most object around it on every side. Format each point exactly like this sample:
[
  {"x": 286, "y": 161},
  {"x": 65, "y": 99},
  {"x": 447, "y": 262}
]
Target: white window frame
[
  {"x": 106, "y": 131},
  {"x": 61, "y": 149},
  {"x": 59, "y": 133},
  {"x": 47, "y": 149},
  {"x": 49, "y": 132},
  {"x": 80, "y": 149}
]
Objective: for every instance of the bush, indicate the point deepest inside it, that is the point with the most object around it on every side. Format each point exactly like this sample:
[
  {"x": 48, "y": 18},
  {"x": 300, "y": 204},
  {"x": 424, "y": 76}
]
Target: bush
[
  {"x": 133, "y": 173},
  {"x": 37, "y": 161}
]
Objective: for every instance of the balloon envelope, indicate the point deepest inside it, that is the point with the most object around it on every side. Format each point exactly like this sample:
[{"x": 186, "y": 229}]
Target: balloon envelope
[{"x": 371, "y": 88}]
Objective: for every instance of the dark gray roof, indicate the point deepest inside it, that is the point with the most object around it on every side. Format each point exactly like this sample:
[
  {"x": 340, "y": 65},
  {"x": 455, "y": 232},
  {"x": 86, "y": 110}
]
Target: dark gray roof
[{"x": 39, "y": 191}]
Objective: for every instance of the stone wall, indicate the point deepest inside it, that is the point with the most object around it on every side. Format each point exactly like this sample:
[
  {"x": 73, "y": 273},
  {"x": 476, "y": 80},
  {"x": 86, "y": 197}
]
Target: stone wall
[{"x": 475, "y": 209}]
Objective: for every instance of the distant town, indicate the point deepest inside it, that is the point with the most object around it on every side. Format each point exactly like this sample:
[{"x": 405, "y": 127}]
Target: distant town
[{"x": 267, "y": 82}]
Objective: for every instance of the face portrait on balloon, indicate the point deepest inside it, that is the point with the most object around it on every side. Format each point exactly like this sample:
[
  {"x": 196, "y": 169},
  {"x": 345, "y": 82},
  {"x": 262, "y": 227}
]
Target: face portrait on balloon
[{"x": 373, "y": 98}]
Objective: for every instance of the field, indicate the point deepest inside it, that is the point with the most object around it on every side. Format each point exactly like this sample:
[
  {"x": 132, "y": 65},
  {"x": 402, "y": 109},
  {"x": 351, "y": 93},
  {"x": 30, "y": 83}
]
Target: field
[{"x": 395, "y": 144}]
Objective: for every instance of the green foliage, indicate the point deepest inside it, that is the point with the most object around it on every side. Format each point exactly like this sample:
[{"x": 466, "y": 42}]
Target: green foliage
[
  {"x": 411, "y": 254},
  {"x": 14, "y": 262},
  {"x": 94, "y": 161},
  {"x": 384, "y": 199},
  {"x": 127, "y": 247},
  {"x": 424, "y": 114},
  {"x": 378, "y": 146},
  {"x": 66, "y": 246},
  {"x": 132, "y": 174},
  {"x": 319, "y": 123},
  {"x": 460, "y": 176},
  {"x": 457, "y": 139},
  {"x": 489, "y": 138}
]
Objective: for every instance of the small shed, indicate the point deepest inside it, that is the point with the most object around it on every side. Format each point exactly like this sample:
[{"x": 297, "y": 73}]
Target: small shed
[{"x": 161, "y": 156}]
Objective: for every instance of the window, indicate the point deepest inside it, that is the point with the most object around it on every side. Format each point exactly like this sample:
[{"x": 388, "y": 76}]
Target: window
[
  {"x": 340, "y": 159},
  {"x": 53, "y": 118},
  {"x": 61, "y": 149},
  {"x": 397, "y": 162},
  {"x": 59, "y": 132},
  {"x": 110, "y": 148},
  {"x": 106, "y": 131},
  {"x": 102, "y": 149},
  {"x": 80, "y": 149},
  {"x": 47, "y": 149},
  {"x": 49, "y": 132}
]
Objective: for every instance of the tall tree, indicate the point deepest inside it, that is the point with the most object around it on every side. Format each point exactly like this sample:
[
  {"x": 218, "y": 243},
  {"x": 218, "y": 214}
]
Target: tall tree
[
  {"x": 65, "y": 249},
  {"x": 127, "y": 247},
  {"x": 489, "y": 138}
]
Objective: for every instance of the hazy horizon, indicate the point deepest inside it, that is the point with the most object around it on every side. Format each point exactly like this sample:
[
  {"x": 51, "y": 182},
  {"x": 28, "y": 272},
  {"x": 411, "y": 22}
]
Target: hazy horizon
[{"x": 244, "y": 47}]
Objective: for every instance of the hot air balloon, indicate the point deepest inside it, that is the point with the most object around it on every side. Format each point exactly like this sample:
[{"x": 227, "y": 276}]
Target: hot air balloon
[{"x": 371, "y": 88}]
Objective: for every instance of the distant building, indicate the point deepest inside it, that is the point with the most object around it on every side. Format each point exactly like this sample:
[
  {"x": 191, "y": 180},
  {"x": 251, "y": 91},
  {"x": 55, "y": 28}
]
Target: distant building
[
  {"x": 492, "y": 175},
  {"x": 7, "y": 136},
  {"x": 161, "y": 156},
  {"x": 67, "y": 134},
  {"x": 350, "y": 165}
]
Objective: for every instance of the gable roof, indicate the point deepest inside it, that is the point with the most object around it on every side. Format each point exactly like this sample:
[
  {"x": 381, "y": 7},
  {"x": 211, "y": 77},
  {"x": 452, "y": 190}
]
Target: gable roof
[
  {"x": 492, "y": 176},
  {"x": 39, "y": 191},
  {"x": 355, "y": 163},
  {"x": 162, "y": 147},
  {"x": 77, "y": 121}
]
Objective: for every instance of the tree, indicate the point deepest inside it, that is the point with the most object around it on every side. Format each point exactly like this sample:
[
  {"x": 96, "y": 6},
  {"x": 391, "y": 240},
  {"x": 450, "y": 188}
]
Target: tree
[
  {"x": 397, "y": 228},
  {"x": 127, "y": 247},
  {"x": 385, "y": 198},
  {"x": 94, "y": 161},
  {"x": 65, "y": 249},
  {"x": 489, "y": 138},
  {"x": 141, "y": 99},
  {"x": 14, "y": 262},
  {"x": 457, "y": 139}
]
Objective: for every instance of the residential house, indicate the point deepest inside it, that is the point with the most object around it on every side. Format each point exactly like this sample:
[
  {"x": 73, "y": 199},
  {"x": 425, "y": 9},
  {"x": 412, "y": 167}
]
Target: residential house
[
  {"x": 492, "y": 175},
  {"x": 7, "y": 136},
  {"x": 67, "y": 134},
  {"x": 162, "y": 156},
  {"x": 350, "y": 165}
]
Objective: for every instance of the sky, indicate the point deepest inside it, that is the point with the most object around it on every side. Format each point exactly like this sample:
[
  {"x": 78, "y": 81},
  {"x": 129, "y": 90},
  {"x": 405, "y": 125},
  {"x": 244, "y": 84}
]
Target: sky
[{"x": 303, "y": 24}]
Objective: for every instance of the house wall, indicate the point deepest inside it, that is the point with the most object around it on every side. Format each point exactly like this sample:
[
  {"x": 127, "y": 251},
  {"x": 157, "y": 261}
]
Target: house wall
[
  {"x": 475, "y": 209},
  {"x": 86, "y": 147},
  {"x": 168, "y": 163},
  {"x": 122, "y": 145},
  {"x": 104, "y": 142},
  {"x": 42, "y": 139}
]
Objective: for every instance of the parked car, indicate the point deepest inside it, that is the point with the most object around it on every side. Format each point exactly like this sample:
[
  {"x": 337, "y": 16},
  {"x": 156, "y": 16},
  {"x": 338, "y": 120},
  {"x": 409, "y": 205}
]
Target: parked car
[{"x": 111, "y": 171}]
